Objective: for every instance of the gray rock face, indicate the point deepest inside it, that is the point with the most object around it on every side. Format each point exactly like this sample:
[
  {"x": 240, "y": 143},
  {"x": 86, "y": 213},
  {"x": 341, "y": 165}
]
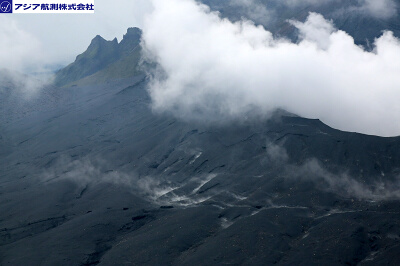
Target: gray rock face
[{"x": 99, "y": 55}]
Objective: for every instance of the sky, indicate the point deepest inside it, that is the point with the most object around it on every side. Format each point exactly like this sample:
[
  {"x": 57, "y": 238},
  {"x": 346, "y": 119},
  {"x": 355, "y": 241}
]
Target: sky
[{"x": 58, "y": 38}]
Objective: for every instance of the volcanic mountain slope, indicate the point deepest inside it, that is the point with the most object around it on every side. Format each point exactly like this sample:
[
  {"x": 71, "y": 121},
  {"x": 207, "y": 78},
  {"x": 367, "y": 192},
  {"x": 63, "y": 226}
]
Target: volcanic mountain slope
[
  {"x": 101, "y": 179},
  {"x": 93, "y": 176}
]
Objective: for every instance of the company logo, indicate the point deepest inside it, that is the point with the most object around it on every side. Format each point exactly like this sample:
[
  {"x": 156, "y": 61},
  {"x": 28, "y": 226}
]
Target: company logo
[
  {"x": 5, "y": 6},
  {"x": 51, "y": 6}
]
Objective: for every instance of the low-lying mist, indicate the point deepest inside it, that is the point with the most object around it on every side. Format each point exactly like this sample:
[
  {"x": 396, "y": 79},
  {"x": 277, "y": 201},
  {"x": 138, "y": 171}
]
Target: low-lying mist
[
  {"x": 343, "y": 184},
  {"x": 22, "y": 86},
  {"x": 162, "y": 189}
]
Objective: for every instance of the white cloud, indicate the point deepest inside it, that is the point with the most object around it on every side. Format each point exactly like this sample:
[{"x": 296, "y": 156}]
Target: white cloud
[
  {"x": 315, "y": 29},
  {"x": 213, "y": 69}
]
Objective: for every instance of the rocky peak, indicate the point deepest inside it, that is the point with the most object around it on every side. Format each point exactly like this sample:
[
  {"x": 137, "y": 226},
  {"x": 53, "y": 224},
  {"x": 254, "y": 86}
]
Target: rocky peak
[
  {"x": 130, "y": 40},
  {"x": 101, "y": 54},
  {"x": 133, "y": 33},
  {"x": 100, "y": 45}
]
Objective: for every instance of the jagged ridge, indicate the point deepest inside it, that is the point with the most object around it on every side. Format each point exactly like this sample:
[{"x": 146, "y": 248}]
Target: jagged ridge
[{"x": 101, "y": 55}]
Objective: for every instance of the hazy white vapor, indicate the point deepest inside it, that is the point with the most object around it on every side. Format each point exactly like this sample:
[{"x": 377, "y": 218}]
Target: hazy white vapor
[
  {"x": 276, "y": 154},
  {"x": 379, "y": 8},
  {"x": 213, "y": 68},
  {"x": 343, "y": 184},
  {"x": 18, "y": 48},
  {"x": 254, "y": 10},
  {"x": 20, "y": 51},
  {"x": 296, "y": 3}
]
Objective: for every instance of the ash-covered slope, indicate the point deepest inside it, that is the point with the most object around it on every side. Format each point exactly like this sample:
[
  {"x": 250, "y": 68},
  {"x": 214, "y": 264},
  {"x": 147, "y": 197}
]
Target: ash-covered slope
[
  {"x": 22, "y": 94},
  {"x": 103, "y": 180}
]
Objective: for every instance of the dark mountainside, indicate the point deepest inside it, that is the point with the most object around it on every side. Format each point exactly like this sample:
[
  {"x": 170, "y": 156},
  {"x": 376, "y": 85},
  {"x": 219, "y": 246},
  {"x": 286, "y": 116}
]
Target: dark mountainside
[
  {"x": 343, "y": 13},
  {"x": 89, "y": 175}
]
